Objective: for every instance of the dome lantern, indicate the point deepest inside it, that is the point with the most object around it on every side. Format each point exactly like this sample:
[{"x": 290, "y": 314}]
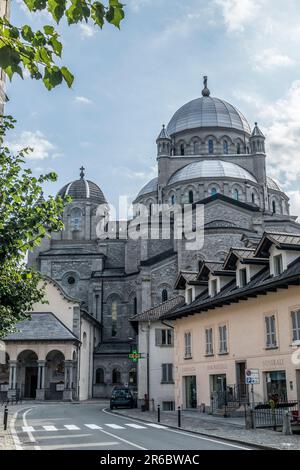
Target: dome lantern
[{"x": 163, "y": 142}]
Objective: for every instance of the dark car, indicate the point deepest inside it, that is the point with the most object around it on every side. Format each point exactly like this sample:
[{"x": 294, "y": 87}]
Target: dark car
[{"x": 122, "y": 397}]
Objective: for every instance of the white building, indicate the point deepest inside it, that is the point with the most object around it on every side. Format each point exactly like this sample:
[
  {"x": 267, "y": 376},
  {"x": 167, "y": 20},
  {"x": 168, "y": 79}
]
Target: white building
[{"x": 156, "y": 345}]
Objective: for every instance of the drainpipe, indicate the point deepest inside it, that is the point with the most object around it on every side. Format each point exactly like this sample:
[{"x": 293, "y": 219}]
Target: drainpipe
[{"x": 148, "y": 364}]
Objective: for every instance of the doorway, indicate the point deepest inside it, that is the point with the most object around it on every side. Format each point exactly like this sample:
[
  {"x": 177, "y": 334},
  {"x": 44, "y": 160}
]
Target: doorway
[
  {"x": 241, "y": 387},
  {"x": 31, "y": 376},
  {"x": 190, "y": 391}
]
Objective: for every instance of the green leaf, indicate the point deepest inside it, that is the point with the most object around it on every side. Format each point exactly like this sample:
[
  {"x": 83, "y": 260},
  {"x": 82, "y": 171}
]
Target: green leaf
[
  {"x": 98, "y": 13},
  {"x": 57, "y": 9},
  {"x": 27, "y": 33},
  {"x": 68, "y": 77},
  {"x": 49, "y": 30},
  {"x": 8, "y": 56},
  {"x": 52, "y": 77},
  {"x": 115, "y": 13},
  {"x": 56, "y": 46}
]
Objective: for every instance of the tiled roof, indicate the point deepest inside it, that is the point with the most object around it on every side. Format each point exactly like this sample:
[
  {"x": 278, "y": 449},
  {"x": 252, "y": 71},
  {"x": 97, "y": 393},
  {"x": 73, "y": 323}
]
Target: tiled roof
[
  {"x": 164, "y": 308},
  {"x": 260, "y": 283},
  {"x": 41, "y": 327}
]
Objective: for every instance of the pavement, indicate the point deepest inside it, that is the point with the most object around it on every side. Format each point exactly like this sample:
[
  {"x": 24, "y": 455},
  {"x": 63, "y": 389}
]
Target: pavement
[
  {"x": 92, "y": 426},
  {"x": 231, "y": 429}
]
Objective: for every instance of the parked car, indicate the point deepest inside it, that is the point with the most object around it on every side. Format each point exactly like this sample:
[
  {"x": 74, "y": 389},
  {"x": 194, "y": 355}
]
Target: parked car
[{"x": 122, "y": 397}]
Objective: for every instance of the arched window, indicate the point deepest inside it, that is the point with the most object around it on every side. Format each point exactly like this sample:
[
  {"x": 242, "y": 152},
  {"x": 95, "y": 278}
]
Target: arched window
[
  {"x": 132, "y": 377},
  {"x": 195, "y": 147},
  {"x": 236, "y": 194},
  {"x": 114, "y": 318},
  {"x": 99, "y": 376},
  {"x": 173, "y": 199},
  {"x": 164, "y": 295},
  {"x": 213, "y": 191},
  {"x": 116, "y": 376},
  {"x": 84, "y": 339},
  {"x": 225, "y": 147},
  {"x": 248, "y": 151},
  {"x": 238, "y": 148},
  {"x": 150, "y": 209},
  {"x": 191, "y": 197},
  {"x": 274, "y": 207},
  {"x": 76, "y": 219},
  {"x": 210, "y": 146},
  {"x": 181, "y": 149},
  {"x": 253, "y": 198}
]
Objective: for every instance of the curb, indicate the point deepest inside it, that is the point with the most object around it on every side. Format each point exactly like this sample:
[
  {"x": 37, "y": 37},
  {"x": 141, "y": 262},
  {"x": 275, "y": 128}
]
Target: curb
[{"x": 237, "y": 441}]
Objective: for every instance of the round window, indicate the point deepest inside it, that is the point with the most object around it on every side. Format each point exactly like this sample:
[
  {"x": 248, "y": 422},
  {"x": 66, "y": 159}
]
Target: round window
[{"x": 71, "y": 280}]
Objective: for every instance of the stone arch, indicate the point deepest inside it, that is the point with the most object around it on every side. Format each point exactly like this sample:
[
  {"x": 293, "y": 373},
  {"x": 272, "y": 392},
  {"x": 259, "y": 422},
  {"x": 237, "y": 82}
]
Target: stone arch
[
  {"x": 210, "y": 138},
  {"x": 181, "y": 147},
  {"x": 27, "y": 373},
  {"x": 254, "y": 196},
  {"x": 221, "y": 255},
  {"x": 211, "y": 186},
  {"x": 236, "y": 187},
  {"x": 195, "y": 145},
  {"x": 70, "y": 279}
]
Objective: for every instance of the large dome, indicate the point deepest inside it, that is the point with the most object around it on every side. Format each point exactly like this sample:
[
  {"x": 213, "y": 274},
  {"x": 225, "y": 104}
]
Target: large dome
[
  {"x": 83, "y": 189},
  {"x": 208, "y": 112},
  {"x": 150, "y": 187},
  {"x": 211, "y": 169}
]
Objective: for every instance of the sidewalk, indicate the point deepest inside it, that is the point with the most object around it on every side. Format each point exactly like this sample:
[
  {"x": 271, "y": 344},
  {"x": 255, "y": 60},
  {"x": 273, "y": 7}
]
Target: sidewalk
[{"x": 232, "y": 429}]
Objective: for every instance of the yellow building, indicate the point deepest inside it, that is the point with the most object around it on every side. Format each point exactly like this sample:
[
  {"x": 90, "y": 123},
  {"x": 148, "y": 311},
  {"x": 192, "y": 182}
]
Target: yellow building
[{"x": 240, "y": 324}]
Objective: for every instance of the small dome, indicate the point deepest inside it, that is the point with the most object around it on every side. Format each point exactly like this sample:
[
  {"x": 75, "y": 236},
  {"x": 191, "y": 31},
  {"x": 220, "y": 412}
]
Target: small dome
[
  {"x": 211, "y": 169},
  {"x": 150, "y": 187},
  {"x": 271, "y": 184},
  {"x": 83, "y": 189},
  {"x": 208, "y": 112}
]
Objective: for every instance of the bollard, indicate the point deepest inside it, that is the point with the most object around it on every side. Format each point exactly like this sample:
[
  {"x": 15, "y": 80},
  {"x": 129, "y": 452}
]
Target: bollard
[
  {"x": 158, "y": 413},
  {"x": 179, "y": 417},
  {"x": 287, "y": 426},
  {"x": 5, "y": 416}
]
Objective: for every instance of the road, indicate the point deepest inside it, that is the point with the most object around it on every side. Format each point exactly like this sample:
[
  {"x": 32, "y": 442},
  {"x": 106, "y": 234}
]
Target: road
[{"x": 91, "y": 426}]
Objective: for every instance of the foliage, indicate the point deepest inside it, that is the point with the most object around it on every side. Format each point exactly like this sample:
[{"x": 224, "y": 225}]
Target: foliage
[
  {"x": 26, "y": 218},
  {"x": 37, "y": 52}
]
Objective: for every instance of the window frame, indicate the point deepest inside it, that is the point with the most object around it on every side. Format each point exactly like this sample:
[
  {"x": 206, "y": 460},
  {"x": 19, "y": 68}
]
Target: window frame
[
  {"x": 278, "y": 264},
  {"x": 272, "y": 335},
  {"x": 223, "y": 340},
  {"x": 209, "y": 352},
  {"x": 167, "y": 373},
  {"x": 293, "y": 311},
  {"x": 188, "y": 345}
]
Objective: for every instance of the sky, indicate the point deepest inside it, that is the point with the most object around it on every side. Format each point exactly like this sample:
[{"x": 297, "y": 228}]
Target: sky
[{"x": 129, "y": 82}]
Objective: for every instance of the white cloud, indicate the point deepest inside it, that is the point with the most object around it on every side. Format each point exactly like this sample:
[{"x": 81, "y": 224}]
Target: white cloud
[
  {"x": 146, "y": 175},
  {"x": 271, "y": 58},
  {"x": 42, "y": 148},
  {"x": 294, "y": 202},
  {"x": 238, "y": 14},
  {"x": 136, "y": 4},
  {"x": 83, "y": 100},
  {"x": 283, "y": 134},
  {"x": 86, "y": 30}
]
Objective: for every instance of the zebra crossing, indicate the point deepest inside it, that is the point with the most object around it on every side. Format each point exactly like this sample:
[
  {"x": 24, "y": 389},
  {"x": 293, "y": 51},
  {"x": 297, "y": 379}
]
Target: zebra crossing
[{"x": 94, "y": 427}]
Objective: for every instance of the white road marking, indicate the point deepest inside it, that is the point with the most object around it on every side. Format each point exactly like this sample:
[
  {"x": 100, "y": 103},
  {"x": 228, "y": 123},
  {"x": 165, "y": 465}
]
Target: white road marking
[
  {"x": 114, "y": 426},
  {"x": 28, "y": 428},
  {"x": 78, "y": 446},
  {"x": 93, "y": 426},
  {"x": 31, "y": 438},
  {"x": 157, "y": 426},
  {"x": 62, "y": 436},
  {"x": 181, "y": 432},
  {"x": 135, "y": 426},
  {"x": 123, "y": 440},
  {"x": 50, "y": 428},
  {"x": 72, "y": 427},
  {"x": 13, "y": 432}
]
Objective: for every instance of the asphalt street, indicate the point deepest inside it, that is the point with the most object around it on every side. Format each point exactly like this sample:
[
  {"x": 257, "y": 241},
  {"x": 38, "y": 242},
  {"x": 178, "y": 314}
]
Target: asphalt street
[{"x": 92, "y": 426}]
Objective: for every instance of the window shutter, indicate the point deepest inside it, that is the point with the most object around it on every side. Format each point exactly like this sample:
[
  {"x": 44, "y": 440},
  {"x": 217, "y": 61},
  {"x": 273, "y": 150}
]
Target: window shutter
[{"x": 158, "y": 337}]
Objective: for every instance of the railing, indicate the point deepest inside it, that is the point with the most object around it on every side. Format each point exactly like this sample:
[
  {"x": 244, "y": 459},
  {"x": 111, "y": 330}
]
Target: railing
[{"x": 266, "y": 415}]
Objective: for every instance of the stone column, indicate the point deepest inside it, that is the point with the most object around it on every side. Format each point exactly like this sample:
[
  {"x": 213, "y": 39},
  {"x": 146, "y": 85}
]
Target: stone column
[
  {"x": 40, "y": 391},
  {"x": 12, "y": 379},
  {"x": 67, "y": 393}
]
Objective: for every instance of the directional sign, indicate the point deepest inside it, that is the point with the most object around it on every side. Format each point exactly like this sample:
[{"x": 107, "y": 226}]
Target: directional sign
[
  {"x": 252, "y": 376},
  {"x": 134, "y": 355}
]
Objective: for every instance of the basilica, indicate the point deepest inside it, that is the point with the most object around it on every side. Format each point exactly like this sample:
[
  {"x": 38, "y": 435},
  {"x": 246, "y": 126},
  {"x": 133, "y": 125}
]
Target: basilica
[{"x": 77, "y": 346}]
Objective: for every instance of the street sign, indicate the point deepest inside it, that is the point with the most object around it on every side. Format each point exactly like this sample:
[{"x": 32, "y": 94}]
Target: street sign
[
  {"x": 134, "y": 355},
  {"x": 252, "y": 376}
]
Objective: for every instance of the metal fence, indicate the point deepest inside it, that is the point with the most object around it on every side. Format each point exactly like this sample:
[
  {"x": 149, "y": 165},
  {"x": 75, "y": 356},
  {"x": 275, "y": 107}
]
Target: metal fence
[{"x": 266, "y": 416}]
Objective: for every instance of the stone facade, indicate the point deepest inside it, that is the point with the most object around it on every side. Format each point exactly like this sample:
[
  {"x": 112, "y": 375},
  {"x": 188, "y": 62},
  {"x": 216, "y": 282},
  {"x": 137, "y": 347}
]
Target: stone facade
[{"x": 117, "y": 278}]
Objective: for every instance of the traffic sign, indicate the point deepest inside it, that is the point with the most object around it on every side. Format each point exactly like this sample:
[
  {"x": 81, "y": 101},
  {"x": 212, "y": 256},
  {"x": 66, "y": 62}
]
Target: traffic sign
[{"x": 252, "y": 376}]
